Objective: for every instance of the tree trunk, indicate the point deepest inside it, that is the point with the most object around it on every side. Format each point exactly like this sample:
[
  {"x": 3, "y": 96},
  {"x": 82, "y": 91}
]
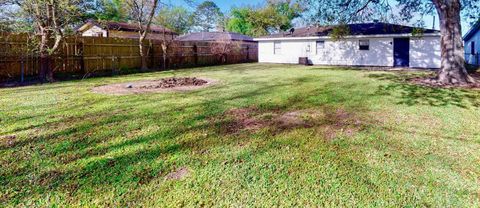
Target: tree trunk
[
  {"x": 164, "y": 55},
  {"x": 44, "y": 67},
  {"x": 452, "y": 70},
  {"x": 143, "y": 56},
  {"x": 45, "y": 74}
]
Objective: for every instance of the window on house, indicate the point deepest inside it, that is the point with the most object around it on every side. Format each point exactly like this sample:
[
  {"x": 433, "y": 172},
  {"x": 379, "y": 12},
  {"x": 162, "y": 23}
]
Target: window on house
[
  {"x": 277, "y": 47},
  {"x": 472, "y": 47},
  {"x": 320, "y": 46},
  {"x": 308, "y": 48},
  {"x": 364, "y": 45}
]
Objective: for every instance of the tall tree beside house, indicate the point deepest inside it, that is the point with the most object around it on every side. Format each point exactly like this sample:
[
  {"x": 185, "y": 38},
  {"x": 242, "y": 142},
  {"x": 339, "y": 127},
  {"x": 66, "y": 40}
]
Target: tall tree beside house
[
  {"x": 142, "y": 12},
  {"x": 238, "y": 21},
  {"x": 450, "y": 13},
  {"x": 275, "y": 16},
  {"x": 111, "y": 10},
  {"x": 286, "y": 11},
  {"x": 177, "y": 19},
  {"x": 207, "y": 16},
  {"x": 50, "y": 20}
]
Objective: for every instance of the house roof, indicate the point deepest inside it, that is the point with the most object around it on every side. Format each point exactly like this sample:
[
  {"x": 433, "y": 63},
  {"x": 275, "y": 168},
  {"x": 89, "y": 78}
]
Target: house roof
[
  {"x": 214, "y": 36},
  {"x": 354, "y": 29},
  {"x": 122, "y": 26},
  {"x": 474, "y": 29}
]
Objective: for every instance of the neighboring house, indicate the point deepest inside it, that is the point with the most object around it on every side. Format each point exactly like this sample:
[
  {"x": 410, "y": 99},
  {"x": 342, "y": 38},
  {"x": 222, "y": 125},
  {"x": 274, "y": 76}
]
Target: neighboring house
[
  {"x": 369, "y": 44},
  {"x": 472, "y": 45},
  {"x": 122, "y": 30},
  {"x": 215, "y": 36}
]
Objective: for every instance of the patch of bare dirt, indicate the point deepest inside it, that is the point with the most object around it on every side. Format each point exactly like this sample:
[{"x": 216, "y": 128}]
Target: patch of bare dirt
[
  {"x": 178, "y": 174},
  {"x": 340, "y": 122},
  {"x": 295, "y": 119},
  {"x": 244, "y": 119},
  {"x": 432, "y": 82},
  {"x": 8, "y": 141},
  {"x": 330, "y": 122},
  {"x": 162, "y": 85}
]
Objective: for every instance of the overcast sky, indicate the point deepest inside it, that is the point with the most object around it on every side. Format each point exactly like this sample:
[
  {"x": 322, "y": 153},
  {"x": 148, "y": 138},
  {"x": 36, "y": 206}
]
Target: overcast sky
[{"x": 226, "y": 5}]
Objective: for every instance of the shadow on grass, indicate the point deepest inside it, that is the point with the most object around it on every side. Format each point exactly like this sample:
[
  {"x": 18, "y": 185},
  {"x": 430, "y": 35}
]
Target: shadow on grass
[
  {"x": 411, "y": 94},
  {"x": 91, "y": 156}
]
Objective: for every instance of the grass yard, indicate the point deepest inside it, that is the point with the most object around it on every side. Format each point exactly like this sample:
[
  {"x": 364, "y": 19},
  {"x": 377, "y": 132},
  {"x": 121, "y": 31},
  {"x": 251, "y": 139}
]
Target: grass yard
[{"x": 364, "y": 139}]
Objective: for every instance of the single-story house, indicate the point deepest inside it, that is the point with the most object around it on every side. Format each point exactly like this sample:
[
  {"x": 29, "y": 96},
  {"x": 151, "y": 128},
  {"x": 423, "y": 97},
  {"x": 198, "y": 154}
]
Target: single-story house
[
  {"x": 215, "y": 36},
  {"x": 472, "y": 45},
  {"x": 368, "y": 44},
  {"x": 122, "y": 30}
]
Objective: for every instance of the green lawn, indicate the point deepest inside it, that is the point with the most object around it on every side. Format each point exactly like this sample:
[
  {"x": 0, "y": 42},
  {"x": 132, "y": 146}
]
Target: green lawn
[{"x": 370, "y": 140}]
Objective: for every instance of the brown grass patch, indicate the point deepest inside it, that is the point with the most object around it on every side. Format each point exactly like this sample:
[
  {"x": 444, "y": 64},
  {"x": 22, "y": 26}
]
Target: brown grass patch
[
  {"x": 244, "y": 119},
  {"x": 49, "y": 178},
  {"x": 8, "y": 141},
  {"x": 331, "y": 122},
  {"x": 178, "y": 174},
  {"x": 340, "y": 123}
]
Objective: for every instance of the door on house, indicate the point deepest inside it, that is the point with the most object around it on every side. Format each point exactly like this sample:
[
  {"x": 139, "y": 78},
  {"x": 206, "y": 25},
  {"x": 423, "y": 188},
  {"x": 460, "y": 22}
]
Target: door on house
[{"x": 401, "y": 52}]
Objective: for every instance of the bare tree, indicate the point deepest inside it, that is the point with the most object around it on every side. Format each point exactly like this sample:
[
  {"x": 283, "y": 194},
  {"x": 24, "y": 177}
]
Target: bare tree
[
  {"x": 165, "y": 19},
  {"x": 50, "y": 18},
  {"x": 225, "y": 46},
  {"x": 142, "y": 12}
]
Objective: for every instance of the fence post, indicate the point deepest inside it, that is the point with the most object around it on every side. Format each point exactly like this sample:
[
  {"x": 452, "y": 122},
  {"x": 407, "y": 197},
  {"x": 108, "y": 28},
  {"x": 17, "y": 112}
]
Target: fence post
[
  {"x": 248, "y": 53},
  {"x": 152, "y": 54},
  {"x": 22, "y": 70},
  {"x": 81, "y": 56},
  {"x": 195, "y": 54}
]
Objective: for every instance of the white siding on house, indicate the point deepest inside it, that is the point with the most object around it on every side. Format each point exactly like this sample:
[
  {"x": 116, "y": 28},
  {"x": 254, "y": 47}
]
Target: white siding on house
[
  {"x": 473, "y": 59},
  {"x": 94, "y": 31},
  {"x": 347, "y": 52},
  {"x": 424, "y": 52},
  {"x": 290, "y": 51}
]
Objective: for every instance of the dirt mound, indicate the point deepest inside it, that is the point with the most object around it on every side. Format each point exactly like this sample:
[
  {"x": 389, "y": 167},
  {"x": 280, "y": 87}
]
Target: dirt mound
[
  {"x": 161, "y": 85},
  {"x": 330, "y": 122},
  {"x": 175, "y": 82}
]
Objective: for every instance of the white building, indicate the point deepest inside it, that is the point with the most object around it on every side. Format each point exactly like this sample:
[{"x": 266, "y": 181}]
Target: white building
[
  {"x": 369, "y": 44},
  {"x": 472, "y": 45},
  {"x": 122, "y": 30}
]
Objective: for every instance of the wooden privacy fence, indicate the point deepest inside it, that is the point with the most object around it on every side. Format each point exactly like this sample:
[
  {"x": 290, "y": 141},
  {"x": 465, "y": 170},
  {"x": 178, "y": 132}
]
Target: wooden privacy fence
[{"x": 97, "y": 55}]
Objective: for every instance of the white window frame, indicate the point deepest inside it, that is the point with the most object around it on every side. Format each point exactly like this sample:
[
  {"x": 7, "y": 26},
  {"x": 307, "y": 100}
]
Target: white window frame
[
  {"x": 320, "y": 48},
  {"x": 277, "y": 47},
  {"x": 367, "y": 41}
]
